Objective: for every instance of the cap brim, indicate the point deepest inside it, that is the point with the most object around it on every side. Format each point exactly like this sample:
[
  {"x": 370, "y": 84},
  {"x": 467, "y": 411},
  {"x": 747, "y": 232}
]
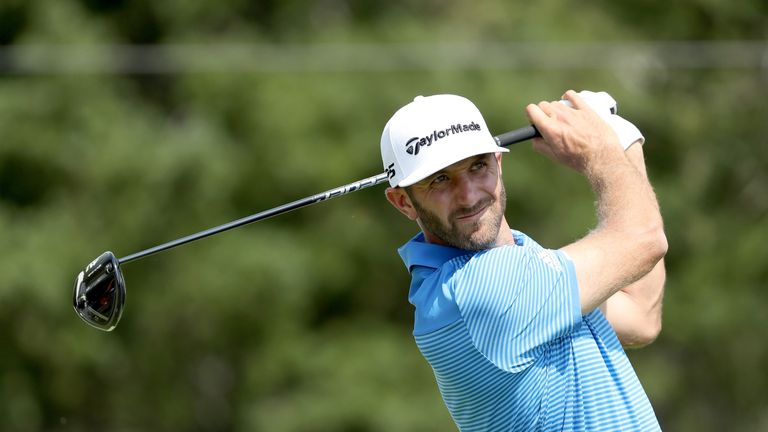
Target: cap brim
[{"x": 448, "y": 159}]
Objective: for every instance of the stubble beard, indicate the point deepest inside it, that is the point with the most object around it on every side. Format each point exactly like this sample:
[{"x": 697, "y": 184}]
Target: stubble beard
[{"x": 480, "y": 235}]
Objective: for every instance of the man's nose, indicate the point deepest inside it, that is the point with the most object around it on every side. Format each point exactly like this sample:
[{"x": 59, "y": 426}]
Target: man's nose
[{"x": 465, "y": 191}]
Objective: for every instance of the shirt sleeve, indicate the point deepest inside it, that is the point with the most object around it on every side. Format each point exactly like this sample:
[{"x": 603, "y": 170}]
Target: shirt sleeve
[{"x": 517, "y": 300}]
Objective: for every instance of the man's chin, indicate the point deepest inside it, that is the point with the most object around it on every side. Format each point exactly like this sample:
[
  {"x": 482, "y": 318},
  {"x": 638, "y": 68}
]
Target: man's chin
[
  {"x": 483, "y": 244},
  {"x": 480, "y": 235},
  {"x": 477, "y": 241}
]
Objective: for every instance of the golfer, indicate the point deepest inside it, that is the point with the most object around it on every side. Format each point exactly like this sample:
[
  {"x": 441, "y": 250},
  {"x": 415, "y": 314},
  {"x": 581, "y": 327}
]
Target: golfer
[{"x": 521, "y": 337}]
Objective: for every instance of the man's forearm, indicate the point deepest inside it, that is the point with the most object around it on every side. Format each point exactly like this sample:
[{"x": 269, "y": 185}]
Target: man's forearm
[
  {"x": 625, "y": 201},
  {"x": 626, "y": 237},
  {"x": 635, "y": 310}
]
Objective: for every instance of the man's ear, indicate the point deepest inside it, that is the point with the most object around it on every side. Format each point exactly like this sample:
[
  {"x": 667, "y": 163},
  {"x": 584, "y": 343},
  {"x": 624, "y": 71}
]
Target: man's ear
[
  {"x": 498, "y": 160},
  {"x": 401, "y": 201}
]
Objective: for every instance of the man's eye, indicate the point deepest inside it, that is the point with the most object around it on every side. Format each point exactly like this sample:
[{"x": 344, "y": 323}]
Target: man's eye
[
  {"x": 439, "y": 179},
  {"x": 478, "y": 165}
]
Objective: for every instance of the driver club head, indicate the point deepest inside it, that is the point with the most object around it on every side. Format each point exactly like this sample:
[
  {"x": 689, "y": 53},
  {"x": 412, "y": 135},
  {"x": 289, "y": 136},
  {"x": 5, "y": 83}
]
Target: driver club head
[{"x": 99, "y": 293}]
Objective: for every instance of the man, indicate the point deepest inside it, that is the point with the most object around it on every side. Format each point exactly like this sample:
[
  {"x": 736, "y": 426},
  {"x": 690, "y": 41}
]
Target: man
[{"x": 521, "y": 337}]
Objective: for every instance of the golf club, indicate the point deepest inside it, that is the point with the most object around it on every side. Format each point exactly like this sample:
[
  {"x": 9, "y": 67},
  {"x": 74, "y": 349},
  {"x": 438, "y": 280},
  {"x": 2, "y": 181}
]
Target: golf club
[{"x": 99, "y": 292}]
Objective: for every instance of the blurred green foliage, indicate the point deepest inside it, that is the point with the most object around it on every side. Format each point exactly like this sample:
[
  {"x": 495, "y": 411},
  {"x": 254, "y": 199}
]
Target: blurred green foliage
[{"x": 301, "y": 323}]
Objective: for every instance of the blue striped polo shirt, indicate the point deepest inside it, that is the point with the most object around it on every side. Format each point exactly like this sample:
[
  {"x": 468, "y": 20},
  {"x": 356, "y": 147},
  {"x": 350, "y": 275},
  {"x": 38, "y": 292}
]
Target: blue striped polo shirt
[{"x": 503, "y": 331}]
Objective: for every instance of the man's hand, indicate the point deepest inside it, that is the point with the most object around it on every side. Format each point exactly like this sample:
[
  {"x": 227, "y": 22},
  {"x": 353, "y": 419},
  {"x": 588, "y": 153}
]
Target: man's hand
[{"x": 575, "y": 136}]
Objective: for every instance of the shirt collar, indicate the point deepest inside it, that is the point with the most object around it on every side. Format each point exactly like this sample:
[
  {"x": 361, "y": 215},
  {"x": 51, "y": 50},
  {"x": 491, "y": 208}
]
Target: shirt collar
[{"x": 418, "y": 252}]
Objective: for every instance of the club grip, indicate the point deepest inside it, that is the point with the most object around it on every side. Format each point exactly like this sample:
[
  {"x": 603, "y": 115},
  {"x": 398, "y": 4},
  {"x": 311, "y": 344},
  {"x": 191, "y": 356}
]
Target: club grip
[{"x": 516, "y": 136}]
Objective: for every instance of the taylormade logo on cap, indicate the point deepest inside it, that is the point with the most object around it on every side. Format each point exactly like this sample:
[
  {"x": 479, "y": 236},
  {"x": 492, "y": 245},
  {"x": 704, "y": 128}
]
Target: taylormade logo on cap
[
  {"x": 451, "y": 120},
  {"x": 413, "y": 144}
]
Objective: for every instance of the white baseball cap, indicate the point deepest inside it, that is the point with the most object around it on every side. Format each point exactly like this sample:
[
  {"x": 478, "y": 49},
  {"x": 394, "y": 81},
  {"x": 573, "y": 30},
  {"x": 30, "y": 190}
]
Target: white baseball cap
[{"x": 431, "y": 133}]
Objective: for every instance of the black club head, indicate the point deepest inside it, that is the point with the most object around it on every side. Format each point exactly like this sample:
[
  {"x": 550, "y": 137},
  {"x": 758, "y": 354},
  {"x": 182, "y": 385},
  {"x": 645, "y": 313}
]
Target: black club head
[{"x": 99, "y": 293}]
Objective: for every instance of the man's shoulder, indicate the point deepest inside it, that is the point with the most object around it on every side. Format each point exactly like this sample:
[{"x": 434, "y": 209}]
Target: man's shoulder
[{"x": 506, "y": 268}]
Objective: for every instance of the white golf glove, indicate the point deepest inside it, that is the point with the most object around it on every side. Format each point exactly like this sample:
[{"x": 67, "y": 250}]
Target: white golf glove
[
  {"x": 606, "y": 107},
  {"x": 628, "y": 133}
]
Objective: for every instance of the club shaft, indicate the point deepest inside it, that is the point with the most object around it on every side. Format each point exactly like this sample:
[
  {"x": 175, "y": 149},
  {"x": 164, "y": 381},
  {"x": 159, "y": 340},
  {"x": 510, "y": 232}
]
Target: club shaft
[
  {"x": 502, "y": 140},
  {"x": 333, "y": 193}
]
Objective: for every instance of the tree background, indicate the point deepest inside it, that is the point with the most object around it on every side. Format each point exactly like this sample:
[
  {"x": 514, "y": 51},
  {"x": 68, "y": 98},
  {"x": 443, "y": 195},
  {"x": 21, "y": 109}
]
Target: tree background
[{"x": 129, "y": 123}]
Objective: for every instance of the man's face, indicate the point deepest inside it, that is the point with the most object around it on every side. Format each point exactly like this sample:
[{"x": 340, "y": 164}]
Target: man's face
[{"x": 462, "y": 205}]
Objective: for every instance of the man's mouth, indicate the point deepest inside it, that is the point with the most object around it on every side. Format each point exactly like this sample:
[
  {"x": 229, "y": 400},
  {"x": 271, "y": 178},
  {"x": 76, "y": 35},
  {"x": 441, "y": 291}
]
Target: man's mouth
[{"x": 474, "y": 213}]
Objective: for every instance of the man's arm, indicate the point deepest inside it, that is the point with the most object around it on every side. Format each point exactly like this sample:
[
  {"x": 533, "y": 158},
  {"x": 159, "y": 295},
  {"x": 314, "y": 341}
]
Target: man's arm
[
  {"x": 629, "y": 240},
  {"x": 635, "y": 311}
]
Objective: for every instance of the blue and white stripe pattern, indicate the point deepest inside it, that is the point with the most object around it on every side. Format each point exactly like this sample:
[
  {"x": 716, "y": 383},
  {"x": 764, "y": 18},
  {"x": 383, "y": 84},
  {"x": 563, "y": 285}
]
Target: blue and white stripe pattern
[{"x": 503, "y": 332}]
